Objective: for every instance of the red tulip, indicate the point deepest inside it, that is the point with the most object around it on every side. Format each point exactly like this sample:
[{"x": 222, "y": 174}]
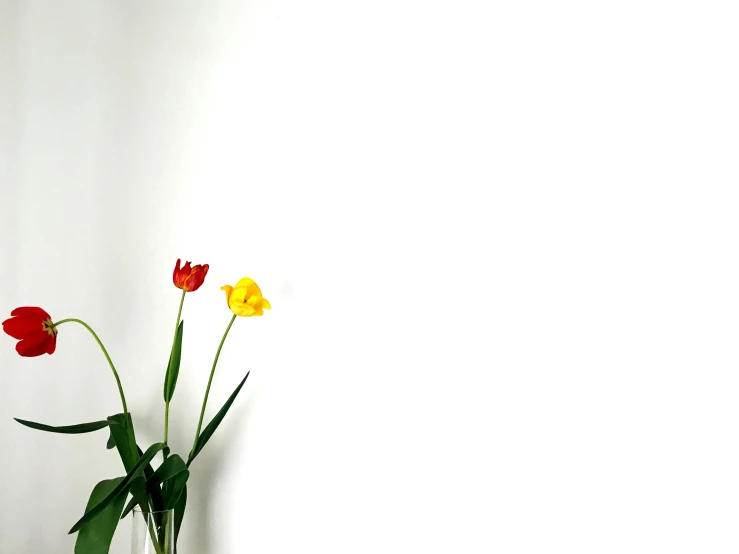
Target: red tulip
[
  {"x": 35, "y": 330},
  {"x": 189, "y": 278}
]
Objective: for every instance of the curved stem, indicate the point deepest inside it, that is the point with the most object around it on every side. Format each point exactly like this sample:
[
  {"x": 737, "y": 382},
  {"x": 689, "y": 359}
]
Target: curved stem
[
  {"x": 107, "y": 357},
  {"x": 210, "y": 381},
  {"x": 166, "y": 402}
]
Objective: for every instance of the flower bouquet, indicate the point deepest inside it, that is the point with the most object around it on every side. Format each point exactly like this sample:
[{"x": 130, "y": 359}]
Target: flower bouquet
[{"x": 159, "y": 496}]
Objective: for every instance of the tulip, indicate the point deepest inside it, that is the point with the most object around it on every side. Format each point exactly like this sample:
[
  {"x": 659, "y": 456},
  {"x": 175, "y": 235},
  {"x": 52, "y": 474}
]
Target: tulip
[
  {"x": 245, "y": 299},
  {"x": 35, "y": 330},
  {"x": 189, "y": 278}
]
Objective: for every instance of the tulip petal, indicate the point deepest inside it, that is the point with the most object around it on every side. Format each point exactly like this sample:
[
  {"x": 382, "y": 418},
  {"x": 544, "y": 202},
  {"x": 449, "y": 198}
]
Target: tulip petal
[
  {"x": 238, "y": 304},
  {"x": 238, "y": 296},
  {"x": 229, "y": 289},
  {"x": 52, "y": 345},
  {"x": 21, "y": 327},
  {"x": 194, "y": 280},
  {"x": 244, "y": 282},
  {"x": 34, "y": 344},
  {"x": 32, "y": 312},
  {"x": 189, "y": 278},
  {"x": 250, "y": 285},
  {"x": 265, "y": 304}
]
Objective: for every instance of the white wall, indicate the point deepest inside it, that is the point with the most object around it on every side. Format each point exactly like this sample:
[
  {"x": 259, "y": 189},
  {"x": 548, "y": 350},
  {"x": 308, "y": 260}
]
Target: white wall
[{"x": 500, "y": 240}]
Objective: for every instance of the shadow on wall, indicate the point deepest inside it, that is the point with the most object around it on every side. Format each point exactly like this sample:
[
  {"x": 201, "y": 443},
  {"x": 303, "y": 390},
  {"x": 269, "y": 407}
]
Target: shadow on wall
[{"x": 200, "y": 516}]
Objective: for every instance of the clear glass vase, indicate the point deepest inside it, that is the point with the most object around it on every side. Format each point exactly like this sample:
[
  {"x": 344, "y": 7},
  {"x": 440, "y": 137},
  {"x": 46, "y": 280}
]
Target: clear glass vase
[{"x": 153, "y": 532}]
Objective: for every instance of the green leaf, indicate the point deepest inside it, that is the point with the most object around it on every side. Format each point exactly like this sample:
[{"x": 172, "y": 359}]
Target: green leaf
[
  {"x": 120, "y": 439},
  {"x": 95, "y": 538},
  {"x": 124, "y": 485},
  {"x": 67, "y": 429},
  {"x": 171, "y": 467},
  {"x": 130, "y": 506},
  {"x": 173, "y": 475},
  {"x": 130, "y": 454},
  {"x": 157, "y": 503},
  {"x": 138, "y": 491},
  {"x": 139, "y": 498},
  {"x": 179, "y": 514},
  {"x": 172, "y": 488},
  {"x": 125, "y": 439},
  {"x": 173, "y": 368},
  {"x": 142, "y": 496},
  {"x": 215, "y": 422}
]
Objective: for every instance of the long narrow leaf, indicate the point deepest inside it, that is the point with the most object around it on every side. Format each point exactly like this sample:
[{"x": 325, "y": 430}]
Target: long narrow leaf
[
  {"x": 143, "y": 494},
  {"x": 171, "y": 467},
  {"x": 66, "y": 429},
  {"x": 120, "y": 488},
  {"x": 130, "y": 454},
  {"x": 139, "y": 498},
  {"x": 173, "y": 368},
  {"x": 172, "y": 488},
  {"x": 95, "y": 538},
  {"x": 215, "y": 422},
  {"x": 172, "y": 475},
  {"x": 157, "y": 503},
  {"x": 125, "y": 439},
  {"x": 138, "y": 491},
  {"x": 179, "y": 514},
  {"x": 130, "y": 506}
]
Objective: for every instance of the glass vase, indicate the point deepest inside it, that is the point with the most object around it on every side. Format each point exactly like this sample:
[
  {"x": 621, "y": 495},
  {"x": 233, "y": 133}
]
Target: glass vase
[{"x": 153, "y": 532}]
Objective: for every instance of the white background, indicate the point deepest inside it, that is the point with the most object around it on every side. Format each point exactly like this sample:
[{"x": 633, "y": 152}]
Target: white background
[{"x": 499, "y": 238}]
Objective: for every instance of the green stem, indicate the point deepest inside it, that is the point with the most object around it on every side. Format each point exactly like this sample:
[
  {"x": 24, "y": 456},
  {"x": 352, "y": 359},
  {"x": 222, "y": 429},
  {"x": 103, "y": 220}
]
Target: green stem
[
  {"x": 210, "y": 381},
  {"x": 166, "y": 402},
  {"x": 152, "y": 533},
  {"x": 107, "y": 357},
  {"x": 150, "y": 520}
]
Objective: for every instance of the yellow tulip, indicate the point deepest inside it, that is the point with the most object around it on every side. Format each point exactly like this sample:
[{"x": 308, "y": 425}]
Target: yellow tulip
[{"x": 245, "y": 299}]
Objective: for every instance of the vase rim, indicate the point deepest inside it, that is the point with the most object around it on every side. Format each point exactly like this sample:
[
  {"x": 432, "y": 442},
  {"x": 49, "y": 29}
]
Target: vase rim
[{"x": 138, "y": 510}]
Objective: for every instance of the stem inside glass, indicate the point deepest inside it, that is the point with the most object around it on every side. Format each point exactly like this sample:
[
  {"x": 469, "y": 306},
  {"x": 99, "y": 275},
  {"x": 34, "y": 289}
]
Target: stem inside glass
[{"x": 152, "y": 532}]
